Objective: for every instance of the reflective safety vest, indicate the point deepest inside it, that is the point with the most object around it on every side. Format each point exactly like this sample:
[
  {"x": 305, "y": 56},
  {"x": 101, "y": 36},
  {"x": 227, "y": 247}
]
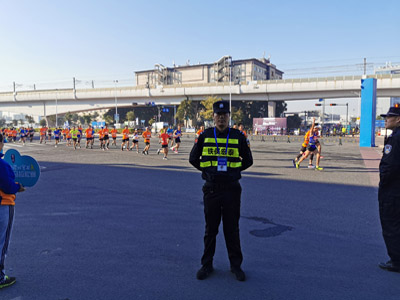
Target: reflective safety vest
[{"x": 209, "y": 156}]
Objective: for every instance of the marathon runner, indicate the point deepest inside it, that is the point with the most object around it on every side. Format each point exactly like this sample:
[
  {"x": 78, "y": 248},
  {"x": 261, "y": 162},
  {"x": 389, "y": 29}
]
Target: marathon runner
[
  {"x": 89, "y": 137},
  {"x": 57, "y": 134},
  {"x": 164, "y": 143},
  {"x": 42, "y": 133},
  {"x": 114, "y": 133},
  {"x": 125, "y": 139},
  {"x": 177, "y": 136},
  {"x": 147, "y": 136},
  {"x": 135, "y": 141}
]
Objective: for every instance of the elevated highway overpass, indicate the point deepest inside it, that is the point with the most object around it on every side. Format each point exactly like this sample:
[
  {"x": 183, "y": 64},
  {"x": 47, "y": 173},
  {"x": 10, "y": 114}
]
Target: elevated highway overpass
[{"x": 48, "y": 102}]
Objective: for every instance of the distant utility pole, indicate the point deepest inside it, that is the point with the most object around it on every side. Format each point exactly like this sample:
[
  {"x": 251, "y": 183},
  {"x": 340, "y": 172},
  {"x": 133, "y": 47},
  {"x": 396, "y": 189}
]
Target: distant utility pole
[{"x": 365, "y": 66}]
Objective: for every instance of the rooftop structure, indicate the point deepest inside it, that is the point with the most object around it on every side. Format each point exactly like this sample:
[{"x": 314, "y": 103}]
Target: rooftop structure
[{"x": 223, "y": 70}]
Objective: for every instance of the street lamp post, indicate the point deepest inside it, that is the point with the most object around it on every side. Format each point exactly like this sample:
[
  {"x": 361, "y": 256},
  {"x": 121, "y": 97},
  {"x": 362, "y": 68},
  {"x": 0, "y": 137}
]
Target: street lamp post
[
  {"x": 230, "y": 91},
  {"x": 57, "y": 108},
  {"x": 116, "y": 117},
  {"x": 323, "y": 112}
]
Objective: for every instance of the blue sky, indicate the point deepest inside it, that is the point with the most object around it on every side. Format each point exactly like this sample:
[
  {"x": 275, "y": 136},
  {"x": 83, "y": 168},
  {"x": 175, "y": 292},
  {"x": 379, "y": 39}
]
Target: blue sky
[{"x": 52, "y": 41}]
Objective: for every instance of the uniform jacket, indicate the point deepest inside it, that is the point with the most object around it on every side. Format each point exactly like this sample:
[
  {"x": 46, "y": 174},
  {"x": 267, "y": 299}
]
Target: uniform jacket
[
  {"x": 204, "y": 155},
  {"x": 389, "y": 167},
  {"x": 8, "y": 187}
]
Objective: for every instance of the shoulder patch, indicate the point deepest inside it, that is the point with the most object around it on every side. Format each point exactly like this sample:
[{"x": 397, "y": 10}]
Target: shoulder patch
[{"x": 388, "y": 149}]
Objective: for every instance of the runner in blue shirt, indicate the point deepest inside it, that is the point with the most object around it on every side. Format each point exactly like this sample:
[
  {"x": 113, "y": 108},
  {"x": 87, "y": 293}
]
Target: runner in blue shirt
[
  {"x": 23, "y": 133},
  {"x": 177, "y": 136},
  {"x": 57, "y": 134},
  {"x": 170, "y": 132}
]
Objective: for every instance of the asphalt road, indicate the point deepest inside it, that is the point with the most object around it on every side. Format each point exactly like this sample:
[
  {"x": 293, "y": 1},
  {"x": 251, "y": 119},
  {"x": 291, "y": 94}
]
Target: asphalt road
[{"x": 119, "y": 225}]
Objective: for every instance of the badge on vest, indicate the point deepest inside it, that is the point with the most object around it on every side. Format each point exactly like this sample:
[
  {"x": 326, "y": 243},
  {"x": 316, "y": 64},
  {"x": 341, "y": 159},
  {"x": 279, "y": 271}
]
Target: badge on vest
[
  {"x": 388, "y": 148},
  {"x": 222, "y": 164}
]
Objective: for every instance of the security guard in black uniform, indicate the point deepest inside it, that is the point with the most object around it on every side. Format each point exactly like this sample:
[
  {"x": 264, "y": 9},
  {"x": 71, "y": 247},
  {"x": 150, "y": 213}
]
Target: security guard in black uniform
[
  {"x": 389, "y": 190},
  {"x": 221, "y": 153}
]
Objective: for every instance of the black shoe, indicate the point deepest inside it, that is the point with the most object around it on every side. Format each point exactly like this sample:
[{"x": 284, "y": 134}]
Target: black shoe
[
  {"x": 7, "y": 282},
  {"x": 238, "y": 273},
  {"x": 204, "y": 272},
  {"x": 389, "y": 266}
]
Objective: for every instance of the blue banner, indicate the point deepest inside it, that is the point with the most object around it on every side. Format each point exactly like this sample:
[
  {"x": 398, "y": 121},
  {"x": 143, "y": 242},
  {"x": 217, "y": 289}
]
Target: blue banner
[
  {"x": 380, "y": 123},
  {"x": 26, "y": 168}
]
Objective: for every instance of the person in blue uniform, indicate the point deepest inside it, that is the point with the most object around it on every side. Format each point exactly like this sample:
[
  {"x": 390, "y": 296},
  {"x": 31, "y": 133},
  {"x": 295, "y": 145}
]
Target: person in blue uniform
[
  {"x": 8, "y": 189},
  {"x": 389, "y": 191},
  {"x": 221, "y": 153}
]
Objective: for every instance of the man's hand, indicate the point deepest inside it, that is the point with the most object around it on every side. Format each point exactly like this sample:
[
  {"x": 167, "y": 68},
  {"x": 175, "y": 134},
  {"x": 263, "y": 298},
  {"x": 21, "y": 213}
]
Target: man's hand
[{"x": 21, "y": 188}]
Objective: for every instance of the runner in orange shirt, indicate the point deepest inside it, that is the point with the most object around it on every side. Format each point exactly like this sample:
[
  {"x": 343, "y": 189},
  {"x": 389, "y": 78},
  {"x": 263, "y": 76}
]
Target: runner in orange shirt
[
  {"x": 89, "y": 137},
  {"x": 125, "y": 138},
  {"x": 101, "y": 138},
  {"x": 164, "y": 139},
  {"x": 106, "y": 137},
  {"x": 43, "y": 132},
  {"x": 6, "y": 134},
  {"x": 68, "y": 134},
  {"x": 114, "y": 136},
  {"x": 64, "y": 133},
  {"x": 146, "y": 135},
  {"x": 200, "y": 131},
  {"x": 14, "y": 135},
  {"x": 241, "y": 129}
]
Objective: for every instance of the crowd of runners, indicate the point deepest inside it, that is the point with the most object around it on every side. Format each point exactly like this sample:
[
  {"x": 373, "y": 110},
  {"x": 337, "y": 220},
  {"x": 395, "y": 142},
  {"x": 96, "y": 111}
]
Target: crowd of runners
[{"x": 169, "y": 139}]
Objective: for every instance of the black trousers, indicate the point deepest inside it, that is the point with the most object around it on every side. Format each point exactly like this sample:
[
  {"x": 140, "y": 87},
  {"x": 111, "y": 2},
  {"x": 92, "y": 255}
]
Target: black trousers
[
  {"x": 389, "y": 212},
  {"x": 222, "y": 202}
]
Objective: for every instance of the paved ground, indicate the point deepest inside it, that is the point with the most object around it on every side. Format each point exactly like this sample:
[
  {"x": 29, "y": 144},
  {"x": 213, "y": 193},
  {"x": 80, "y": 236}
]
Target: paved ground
[{"x": 120, "y": 225}]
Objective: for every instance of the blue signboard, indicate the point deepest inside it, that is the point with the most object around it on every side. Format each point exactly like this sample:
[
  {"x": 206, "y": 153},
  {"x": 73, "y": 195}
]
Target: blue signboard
[
  {"x": 380, "y": 123},
  {"x": 26, "y": 168},
  {"x": 98, "y": 124}
]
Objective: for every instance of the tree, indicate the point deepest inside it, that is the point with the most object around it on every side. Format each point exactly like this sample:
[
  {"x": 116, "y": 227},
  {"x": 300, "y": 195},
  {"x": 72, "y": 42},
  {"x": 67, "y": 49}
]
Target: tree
[
  {"x": 43, "y": 122},
  {"x": 29, "y": 119},
  {"x": 130, "y": 115},
  {"x": 81, "y": 119},
  {"x": 87, "y": 118},
  {"x": 108, "y": 118},
  {"x": 68, "y": 117},
  {"x": 294, "y": 121},
  {"x": 237, "y": 115},
  {"x": 207, "y": 110},
  {"x": 186, "y": 111},
  {"x": 75, "y": 118}
]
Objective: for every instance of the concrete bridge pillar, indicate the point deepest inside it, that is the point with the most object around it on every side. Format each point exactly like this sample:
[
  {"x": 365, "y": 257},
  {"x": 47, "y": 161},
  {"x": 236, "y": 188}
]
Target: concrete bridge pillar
[
  {"x": 271, "y": 109},
  {"x": 368, "y": 112}
]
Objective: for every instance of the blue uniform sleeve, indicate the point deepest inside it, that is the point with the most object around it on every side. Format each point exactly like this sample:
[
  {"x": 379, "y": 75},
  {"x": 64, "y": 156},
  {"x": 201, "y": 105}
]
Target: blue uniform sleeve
[{"x": 7, "y": 177}]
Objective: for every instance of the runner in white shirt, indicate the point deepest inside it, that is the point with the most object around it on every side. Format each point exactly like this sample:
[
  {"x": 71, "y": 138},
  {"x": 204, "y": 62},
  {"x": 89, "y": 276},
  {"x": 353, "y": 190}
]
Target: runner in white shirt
[{"x": 135, "y": 141}]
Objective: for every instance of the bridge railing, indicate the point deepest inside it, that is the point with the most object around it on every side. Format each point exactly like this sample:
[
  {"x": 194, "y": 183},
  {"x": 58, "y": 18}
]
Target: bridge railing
[{"x": 130, "y": 83}]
